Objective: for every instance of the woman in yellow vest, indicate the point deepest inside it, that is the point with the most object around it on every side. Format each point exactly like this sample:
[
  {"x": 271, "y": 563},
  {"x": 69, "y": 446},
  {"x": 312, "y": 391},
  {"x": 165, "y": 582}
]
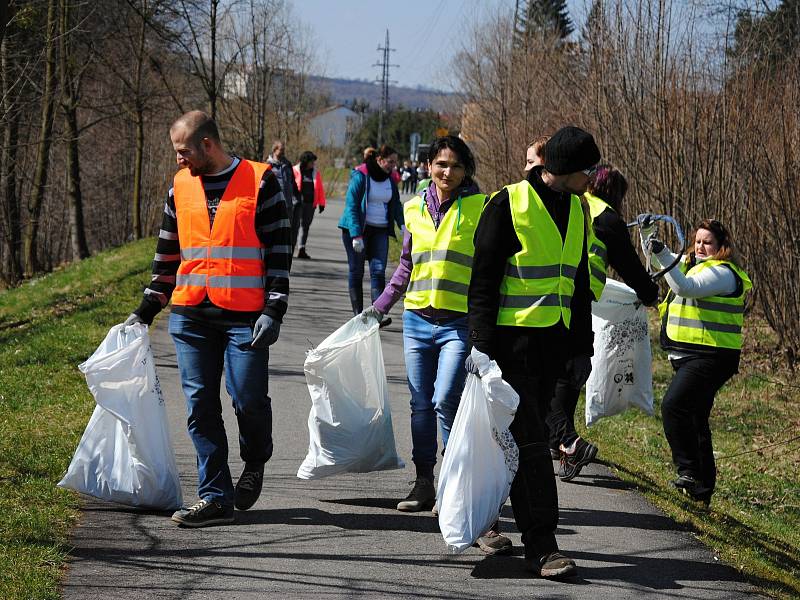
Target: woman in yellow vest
[
  {"x": 701, "y": 328},
  {"x": 434, "y": 273}
]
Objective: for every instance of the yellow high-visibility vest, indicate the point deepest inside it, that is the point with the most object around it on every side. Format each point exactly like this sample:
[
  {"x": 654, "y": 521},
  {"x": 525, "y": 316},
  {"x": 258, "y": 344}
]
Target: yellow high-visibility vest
[
  {"x": 714, "y": 321},
  {"x": 537, "y": 288},
  {"x": 598, "y": 253},
  {"x": 441, "y": 258}
]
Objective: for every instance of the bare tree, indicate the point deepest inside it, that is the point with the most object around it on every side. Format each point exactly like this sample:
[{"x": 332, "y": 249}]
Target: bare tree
[{"x": 30, "y": 258}]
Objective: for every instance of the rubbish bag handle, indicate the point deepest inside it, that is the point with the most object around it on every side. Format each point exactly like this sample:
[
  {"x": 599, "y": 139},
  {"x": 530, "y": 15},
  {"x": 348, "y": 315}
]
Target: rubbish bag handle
[{"x": 647, "y": 219}]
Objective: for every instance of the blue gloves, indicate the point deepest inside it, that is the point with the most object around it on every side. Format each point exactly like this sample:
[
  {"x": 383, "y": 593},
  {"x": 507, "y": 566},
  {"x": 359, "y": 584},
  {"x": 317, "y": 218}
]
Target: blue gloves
[
  {"x": 265, "y": 332},
  {"x": 371, "y": 312},
  {"x": 477, "y": 362}
]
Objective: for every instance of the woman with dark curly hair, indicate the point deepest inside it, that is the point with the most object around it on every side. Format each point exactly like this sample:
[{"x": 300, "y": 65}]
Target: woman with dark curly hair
[{"x": 701, "y": 328}]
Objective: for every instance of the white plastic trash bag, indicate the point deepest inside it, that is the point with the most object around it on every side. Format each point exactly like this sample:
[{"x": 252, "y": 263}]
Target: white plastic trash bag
[
  {"x": 621, "y": 366},
  {"x": 350, "y": 423},
  {"x": 126, "y": 454},
  {"x": 480, "y": 461}
]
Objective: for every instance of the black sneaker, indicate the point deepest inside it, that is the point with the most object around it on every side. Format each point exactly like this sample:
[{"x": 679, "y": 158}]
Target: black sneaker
[
  {"x": 385, "y": 322},
  {"x": 694, "y": 489},
  {"x": 553, "y": 566},
  {"x": 573, "y": 462},
  {"x": 204, "y": 513},
  {"x": 422, "y": 497},
  {"x": 303, "y": 254},
  {"x": 493, "y": 542},
  {"x": 248, "y": 488}
]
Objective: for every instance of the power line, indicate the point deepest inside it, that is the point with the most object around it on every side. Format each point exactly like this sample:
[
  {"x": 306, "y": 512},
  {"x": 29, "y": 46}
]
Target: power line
[{"x": 384, "y": 81}]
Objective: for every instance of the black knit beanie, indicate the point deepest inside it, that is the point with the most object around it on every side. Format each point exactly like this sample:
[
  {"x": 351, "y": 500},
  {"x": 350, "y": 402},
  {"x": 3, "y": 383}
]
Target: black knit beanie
[{"x": 571, "y": 149}]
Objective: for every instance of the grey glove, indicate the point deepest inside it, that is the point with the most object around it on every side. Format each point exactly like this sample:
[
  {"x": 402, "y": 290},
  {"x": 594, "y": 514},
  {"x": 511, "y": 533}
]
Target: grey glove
[
  {"x": 265, "y": 332},
  {"x": 132, "y": 320},
  {"x": 371, "y": 313},
  {"x": 477, "y": 362},
  {"x": 358, "y": 244},
  {"x": 581, "y": 368}
]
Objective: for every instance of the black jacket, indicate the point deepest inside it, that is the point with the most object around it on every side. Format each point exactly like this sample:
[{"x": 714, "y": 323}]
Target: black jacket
[
  {"x": 495, "y": 241},
  {"x": 612, "y": 231}
]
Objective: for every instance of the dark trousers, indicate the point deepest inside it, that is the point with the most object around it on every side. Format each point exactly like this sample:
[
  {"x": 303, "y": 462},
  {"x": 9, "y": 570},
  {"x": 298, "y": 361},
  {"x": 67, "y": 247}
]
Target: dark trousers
[
  {"x": 561, "y": 417},
  {"x": 685, "y": 411},
  {"x": 302, "y": 214},
  {"x": 533, "y": 493}
]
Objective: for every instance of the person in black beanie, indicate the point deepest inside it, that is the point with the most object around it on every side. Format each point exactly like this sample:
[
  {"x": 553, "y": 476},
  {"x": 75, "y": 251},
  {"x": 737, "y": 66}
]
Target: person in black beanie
[{"x": 529, "y": 307}]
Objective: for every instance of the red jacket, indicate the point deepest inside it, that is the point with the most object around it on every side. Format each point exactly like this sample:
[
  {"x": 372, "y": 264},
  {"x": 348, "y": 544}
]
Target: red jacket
[{"x": 319, "y": 189}]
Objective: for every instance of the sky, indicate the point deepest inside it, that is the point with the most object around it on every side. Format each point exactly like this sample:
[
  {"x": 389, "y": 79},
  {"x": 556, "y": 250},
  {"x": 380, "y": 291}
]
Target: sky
[{"x": 425, "y": 33}]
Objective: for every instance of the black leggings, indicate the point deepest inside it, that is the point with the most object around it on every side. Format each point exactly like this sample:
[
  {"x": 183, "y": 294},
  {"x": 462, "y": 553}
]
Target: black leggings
[{"x": 685, "y": 411}]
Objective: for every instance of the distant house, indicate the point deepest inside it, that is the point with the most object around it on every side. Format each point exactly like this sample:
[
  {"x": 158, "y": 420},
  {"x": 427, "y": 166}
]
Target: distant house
[{"x": 333, "y": 126}]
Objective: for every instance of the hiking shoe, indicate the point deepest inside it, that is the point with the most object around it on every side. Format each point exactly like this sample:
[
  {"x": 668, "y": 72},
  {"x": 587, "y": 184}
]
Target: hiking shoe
[
  {"x": 572, "y": 462},
  {"x": 204, "y": 513},
  {"x": 694, "y": 489},
  {"x": 248, "y": 488},
  {"x": 553, "y": 566},
  {"x": 385, "y": 322},
  {"x": 422, "y": 497},
  {"x": 301, "y": 253},
  {"x": 493, "y": 542}
]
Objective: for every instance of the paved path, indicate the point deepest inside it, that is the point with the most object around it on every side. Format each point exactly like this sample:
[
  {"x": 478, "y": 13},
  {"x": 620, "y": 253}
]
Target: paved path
[{"x": 341, "y": 537}]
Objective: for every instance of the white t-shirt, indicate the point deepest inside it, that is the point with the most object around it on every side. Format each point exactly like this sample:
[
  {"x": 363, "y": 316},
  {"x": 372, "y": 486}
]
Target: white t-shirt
[{"x": 380, "y": 192}]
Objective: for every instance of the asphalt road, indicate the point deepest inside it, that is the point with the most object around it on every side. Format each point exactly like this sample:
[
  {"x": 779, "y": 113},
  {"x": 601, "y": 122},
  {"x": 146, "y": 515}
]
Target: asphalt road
[{"x": 341, "y": 537}]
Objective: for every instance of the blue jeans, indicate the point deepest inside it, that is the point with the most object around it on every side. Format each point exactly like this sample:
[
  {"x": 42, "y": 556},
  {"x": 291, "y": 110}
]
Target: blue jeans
[
  {"x": 376, "y": 252},
  {"x": 203, "y": 350},
  {"x": 435, "y": 352}
]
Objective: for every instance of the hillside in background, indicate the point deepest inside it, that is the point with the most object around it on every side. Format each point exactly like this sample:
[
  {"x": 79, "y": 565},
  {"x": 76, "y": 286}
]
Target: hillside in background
[{"x": 344, "y": 91}]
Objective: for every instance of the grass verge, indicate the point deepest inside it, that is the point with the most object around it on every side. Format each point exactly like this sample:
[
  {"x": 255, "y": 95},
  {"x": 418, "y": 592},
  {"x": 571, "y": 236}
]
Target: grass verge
[
  {"x": 754, "y": 519},
  {"x": 47, "y": 327}
]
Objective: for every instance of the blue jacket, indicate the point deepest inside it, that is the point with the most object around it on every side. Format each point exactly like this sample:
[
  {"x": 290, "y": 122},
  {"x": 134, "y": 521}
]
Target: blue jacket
[{"x": 355, "y": 208}]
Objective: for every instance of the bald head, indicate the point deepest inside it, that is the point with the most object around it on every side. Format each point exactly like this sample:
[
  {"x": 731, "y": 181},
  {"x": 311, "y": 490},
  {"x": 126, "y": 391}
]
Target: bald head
[
  {"x": 195, "y": 138},
  {"x": 196, "y": 125}
]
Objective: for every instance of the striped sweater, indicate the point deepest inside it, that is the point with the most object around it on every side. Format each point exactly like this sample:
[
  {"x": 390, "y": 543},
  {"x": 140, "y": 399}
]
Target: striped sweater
[{"x": 272, "y": 228}]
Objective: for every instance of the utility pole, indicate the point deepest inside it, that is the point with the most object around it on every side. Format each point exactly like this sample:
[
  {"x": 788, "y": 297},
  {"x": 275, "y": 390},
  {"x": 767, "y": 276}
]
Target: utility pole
[{"x": 384, "y": 81}]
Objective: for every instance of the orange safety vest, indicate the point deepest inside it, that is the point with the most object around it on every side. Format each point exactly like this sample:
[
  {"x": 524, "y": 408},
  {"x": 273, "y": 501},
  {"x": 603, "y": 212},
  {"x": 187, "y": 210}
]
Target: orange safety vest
[{"x": 225, "y": 262}]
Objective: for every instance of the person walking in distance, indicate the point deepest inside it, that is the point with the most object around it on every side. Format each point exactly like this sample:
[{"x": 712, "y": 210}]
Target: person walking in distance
[
  {"x": 372, "y": 209},
  {"x": 610, "y": 246},
  {"x": 222, "y": 259},
  {"x": 701, "y": 329},
  {"x": 529, "y": 308},
  {"x": 282, "y": 168},
  {"x": 309, "y": 180}
]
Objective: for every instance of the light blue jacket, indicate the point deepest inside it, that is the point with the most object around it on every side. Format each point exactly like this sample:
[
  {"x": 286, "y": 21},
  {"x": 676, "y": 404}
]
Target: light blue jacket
[{"x": 355, "y": 209}]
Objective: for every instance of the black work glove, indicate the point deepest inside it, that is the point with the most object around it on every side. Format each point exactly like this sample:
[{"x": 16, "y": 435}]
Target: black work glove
[
  {"x": 656, "y": 245},
  {"x": 321, "y": 208}
]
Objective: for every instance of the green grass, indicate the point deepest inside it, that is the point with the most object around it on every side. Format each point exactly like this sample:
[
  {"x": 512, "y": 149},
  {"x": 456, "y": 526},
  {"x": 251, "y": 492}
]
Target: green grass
[
  {"x": 754, "y": 520},
  {"x": 47, "y": 327},
  {"x": 50, "y": 325}
]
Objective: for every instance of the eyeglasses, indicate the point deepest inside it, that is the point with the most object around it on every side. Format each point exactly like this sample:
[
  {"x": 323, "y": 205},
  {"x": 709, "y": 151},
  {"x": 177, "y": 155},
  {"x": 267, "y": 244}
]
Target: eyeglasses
[{"x": 590, "y": 171}]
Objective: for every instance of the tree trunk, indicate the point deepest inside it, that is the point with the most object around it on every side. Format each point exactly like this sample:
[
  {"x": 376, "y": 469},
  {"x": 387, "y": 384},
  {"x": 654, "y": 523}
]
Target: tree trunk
[
  {"x": 30, "y": 257},
  {"x": 69, "y": 105},
  {"x": 212, "y": 88},
  {"x": 137, "y": 175},
  {"x": 11, "y": 207}
]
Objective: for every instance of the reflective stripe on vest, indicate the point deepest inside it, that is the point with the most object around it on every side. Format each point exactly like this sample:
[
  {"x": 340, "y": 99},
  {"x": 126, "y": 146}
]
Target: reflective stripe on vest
[
  {"x": 537, "y": 288},
  {"x": 714, "y": 321},
  {"x": 225, "y": 262},
  {"x": 441, "y": 258},
  {"x": 598, "y": 254}
]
